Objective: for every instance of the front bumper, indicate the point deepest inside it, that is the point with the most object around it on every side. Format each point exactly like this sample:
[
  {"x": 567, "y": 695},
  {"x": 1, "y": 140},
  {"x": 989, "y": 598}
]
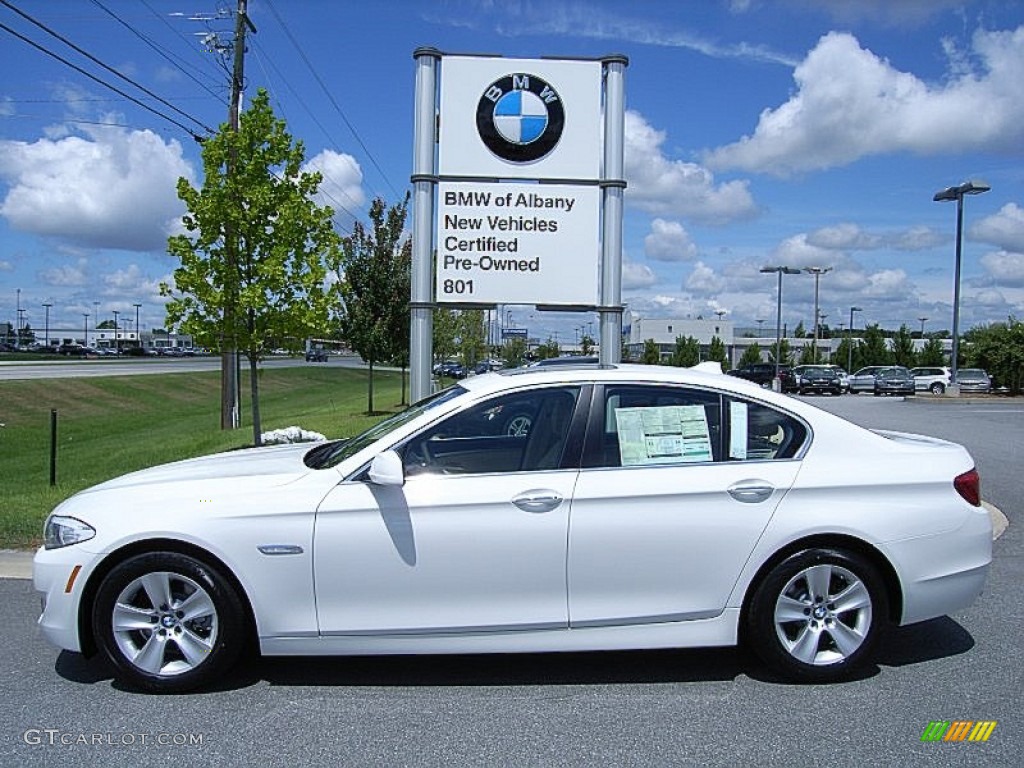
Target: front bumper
[{"x": 60, "y": 576}]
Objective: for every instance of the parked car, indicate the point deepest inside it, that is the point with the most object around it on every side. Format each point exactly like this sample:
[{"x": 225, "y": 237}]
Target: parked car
[
  {"x": 931, "y": 379},
  {"x": 864, "y": 379},
  {"x": 894, "y": 380},
  {"x": 817, "y": 378},
  {"x": 763, "y": 373},
  {"x": 439, "y": 531},
  {"x": 844, "y": 377},
  {"x": 316, "y": 355},
  {"x": 973, "y": 380}
]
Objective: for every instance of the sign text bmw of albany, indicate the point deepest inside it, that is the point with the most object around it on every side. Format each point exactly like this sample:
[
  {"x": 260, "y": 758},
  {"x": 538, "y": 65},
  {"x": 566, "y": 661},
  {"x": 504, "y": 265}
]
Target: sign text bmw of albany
[{"x": 513, "y": 243}]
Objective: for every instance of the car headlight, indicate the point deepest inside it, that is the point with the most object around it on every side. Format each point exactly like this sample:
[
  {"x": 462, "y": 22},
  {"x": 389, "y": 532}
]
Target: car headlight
[{"x": 61, "y": 531}]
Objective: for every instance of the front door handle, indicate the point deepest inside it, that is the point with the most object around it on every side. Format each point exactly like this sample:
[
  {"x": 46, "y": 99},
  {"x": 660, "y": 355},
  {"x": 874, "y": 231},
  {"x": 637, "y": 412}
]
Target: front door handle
[
  {"x": 751, "y": 492},
  {"x": 537, "y": 501}
]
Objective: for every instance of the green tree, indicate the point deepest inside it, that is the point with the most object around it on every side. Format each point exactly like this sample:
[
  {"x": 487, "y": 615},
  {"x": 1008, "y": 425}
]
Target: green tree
[
  {"x": 587, "y": 344},
  {"x": 799, "y": 332},
  {"x": 446, "y": 334},
  {"x": 873, "y": 350},
  {"x": 472, "y": 337},
  {"x": 651, "y": 354},
  {"x": 783, "y": 354},
  {"x": 255, "y": 254},
  {"x": 842, "y": 356},
  {"x": 686, "y": 352},
  {"x": 999, "y": 349},
  {"x": 807, "y": 356},
  {"x": 717, "y": 352},
  {"x": 903, "y": 352},
  {"x": 513, "y": 352},
  {"x": 548, "y": 349},
  {"x": 751, "y": 355},
  {"x": 932, "y": 353},
  {"x": 374, "y": 287}
]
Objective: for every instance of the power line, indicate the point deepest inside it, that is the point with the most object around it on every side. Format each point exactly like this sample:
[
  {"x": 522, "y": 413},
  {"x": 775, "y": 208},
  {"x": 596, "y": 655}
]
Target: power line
[
  {"x": 148, "y": 41},
  {"x": 102, "y": 64},
  {"x": 330, "y": 97},
  {"x": 93, "y": 77}
]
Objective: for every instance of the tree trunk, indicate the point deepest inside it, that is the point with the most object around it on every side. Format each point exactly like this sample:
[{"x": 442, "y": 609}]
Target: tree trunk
[
  {"x": 370, "y": 391},
  {"x": 403, "y": 384},
  {"x": 254, "y": 389}
]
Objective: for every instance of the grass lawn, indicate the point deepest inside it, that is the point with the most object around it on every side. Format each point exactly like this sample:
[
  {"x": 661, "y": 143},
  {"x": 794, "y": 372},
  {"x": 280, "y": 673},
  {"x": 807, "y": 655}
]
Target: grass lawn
[{"x": 110, "y": 426}]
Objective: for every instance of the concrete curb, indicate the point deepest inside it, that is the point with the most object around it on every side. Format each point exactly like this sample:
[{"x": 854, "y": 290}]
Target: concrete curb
[{"x": 17, "y": 564}]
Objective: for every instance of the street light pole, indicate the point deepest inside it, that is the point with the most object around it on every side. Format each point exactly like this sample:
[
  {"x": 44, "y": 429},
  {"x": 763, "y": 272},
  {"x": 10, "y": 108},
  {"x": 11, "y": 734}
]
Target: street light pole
[
  {"x": 957, "y": 194},
  {"x": 781, "y": 270},
  {"x": 85, "y": 329},
  {"x": 849, "y": 341},
  {"x": 923, "y": 321},
  {"x": 817, "y": 272},
  {"x": 47, "y": 306},
  {"x": 138, "y": 329},
  {"x": 117, "y": 345}
]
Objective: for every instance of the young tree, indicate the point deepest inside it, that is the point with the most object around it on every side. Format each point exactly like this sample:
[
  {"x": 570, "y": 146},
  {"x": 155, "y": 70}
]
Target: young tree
[
  {"x": 799, "y": 332},
  {"x": 374, "y": 287},
  {"x": 932, "y": 353},
  {"x": 548, "y": 349},
  {"x": 783, "y": 354},
  {"x": 751, "y": 355},
  {"x": 716, "y": 351},
  {"x": 513, "y": 352},
  {"x": 472, "y": 337},
  {"x": 446, "y": 332},
  {"x": 587, "y": 345},
  {"x": 999, "y": 349},
  {"x": 873, "y": 350},
  {"x": 807, "y": 355},
  {"x": 686, "y": 352},
  {"x": 254, "y": 259},
  {"x": 903, "y": 352},
  {"x": 651, "y": 354}
]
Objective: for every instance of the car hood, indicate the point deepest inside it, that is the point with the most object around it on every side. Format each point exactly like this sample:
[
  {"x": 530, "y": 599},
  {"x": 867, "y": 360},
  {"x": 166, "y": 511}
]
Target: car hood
[{"x": 273, "y": 465}]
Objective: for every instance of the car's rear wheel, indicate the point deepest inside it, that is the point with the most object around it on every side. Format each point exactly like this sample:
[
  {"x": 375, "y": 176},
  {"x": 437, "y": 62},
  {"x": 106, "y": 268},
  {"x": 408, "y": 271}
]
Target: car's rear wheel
[
  {"x": 168, "y": 622},
  {"x": 937, "y": 388},
  {"x": 817, "y": 615}
]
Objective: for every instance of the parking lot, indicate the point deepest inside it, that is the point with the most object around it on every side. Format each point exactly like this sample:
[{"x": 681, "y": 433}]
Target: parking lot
[{"x": 707, "y": 707}]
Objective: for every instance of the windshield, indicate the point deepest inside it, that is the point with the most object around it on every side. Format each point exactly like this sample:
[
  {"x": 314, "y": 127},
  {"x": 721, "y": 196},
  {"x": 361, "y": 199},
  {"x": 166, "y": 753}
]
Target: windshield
[{"x": 347, "y": 448}]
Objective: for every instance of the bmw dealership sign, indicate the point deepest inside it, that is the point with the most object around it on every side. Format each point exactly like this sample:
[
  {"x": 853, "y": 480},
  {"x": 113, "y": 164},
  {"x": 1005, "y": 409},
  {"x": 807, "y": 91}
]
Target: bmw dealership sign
[
  {"x": 517, "y": 191},
  {"x": 514, "y": 243}
]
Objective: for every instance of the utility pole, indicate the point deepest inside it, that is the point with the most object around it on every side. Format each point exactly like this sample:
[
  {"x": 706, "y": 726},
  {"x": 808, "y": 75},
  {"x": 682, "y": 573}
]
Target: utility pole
[{"x": 230, "y": 414}]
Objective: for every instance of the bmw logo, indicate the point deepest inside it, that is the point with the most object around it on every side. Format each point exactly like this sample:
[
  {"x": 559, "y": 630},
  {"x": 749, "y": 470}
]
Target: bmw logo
[{"x": 520, "y": 118}]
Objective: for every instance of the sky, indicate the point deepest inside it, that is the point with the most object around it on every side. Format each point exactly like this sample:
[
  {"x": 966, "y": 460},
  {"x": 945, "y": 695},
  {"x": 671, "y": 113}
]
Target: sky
[{"x": 804, "y": 133}]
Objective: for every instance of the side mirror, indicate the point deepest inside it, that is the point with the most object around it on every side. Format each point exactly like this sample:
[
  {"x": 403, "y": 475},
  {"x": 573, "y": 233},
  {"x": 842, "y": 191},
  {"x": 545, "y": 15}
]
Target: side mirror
[{"x": 386, "y": 469}]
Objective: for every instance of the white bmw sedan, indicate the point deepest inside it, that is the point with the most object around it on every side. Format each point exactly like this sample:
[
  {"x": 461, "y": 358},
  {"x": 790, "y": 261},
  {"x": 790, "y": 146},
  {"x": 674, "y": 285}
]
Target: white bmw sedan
[{"x": 560, "y": 509}]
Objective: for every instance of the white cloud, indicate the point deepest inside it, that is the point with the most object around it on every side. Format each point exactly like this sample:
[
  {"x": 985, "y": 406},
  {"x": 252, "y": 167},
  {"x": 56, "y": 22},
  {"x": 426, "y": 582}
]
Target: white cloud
[
  {"x": 1005, "y": 267},
  {"x": 67, "y": 275},
  {"x": 849, "y": 103},
  {"x": 669, "y": 241},
  {"x": 636, "y": 276},
  {"x": 843, "y": 237},
  {"x": 112, "y": 188},
  {"x": 888, "y": 284},
  {"x": 660, "y": 185},
  {"x": 1004, "y": 229},
  {"x": 917, "y": 239},
  {"x": 798, "y": 251},
  {"x": 342, "y": 187},
  {"x": 704, "y": 280}
]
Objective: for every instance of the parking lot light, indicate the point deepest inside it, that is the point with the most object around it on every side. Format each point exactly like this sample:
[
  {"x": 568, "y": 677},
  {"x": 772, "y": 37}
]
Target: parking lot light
[
  {"x": 781, "y": 270},
  {"x": 947, "y": 195}
]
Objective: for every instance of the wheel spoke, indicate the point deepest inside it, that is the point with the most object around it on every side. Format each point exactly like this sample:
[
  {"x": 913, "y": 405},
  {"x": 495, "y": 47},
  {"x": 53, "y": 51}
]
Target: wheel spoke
[
  {"x": 198, "y": 605},
  {"x": 128, "y": 618},
  {"x": 194, "y": 648},
  {"x": 158, "y": 588},
  {"x": 151, "y": 657},
  {"x": 852, "y": 598},
  {"x": 789, "y": 609},
  {"x": 805, "y": 647},
  {"x": 818, "y": 578},
  {"x": 846, "y": 638}
]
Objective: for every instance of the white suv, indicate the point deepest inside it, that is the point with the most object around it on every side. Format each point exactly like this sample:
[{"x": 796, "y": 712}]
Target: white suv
[{"x": 934, "y": 380}]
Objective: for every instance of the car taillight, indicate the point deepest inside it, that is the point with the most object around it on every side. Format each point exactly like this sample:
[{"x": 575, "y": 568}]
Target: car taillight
[{"x": 968, "y": 485}]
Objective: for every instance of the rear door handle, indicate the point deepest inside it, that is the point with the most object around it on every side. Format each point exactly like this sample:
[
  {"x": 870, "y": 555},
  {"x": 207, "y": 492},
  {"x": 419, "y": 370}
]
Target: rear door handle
[
  {"x": 537, "y": 501},
  {"x": 752, "y": 492}
]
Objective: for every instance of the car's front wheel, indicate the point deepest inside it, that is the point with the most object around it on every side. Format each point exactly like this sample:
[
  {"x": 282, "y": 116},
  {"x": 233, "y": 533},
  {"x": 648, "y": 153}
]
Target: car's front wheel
[
  {"x": 937, "y": 388},
  {"x": 816, "y": 616},
  {"x": 168, "y": 622}
]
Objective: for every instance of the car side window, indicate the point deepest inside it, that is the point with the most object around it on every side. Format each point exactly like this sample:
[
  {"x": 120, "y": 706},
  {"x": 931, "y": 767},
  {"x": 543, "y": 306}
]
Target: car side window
[
  {"x": 758, "y": 432},
  {"x": 638, "y": 425},
  {"x": 519, "y": 432}
]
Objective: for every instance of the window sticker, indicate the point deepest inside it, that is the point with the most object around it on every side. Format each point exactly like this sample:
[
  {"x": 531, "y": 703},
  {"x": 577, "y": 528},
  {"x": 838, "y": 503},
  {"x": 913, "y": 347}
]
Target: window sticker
[
  {"x": 671, "y": 434},
  {"x": 737, "y": 430}
]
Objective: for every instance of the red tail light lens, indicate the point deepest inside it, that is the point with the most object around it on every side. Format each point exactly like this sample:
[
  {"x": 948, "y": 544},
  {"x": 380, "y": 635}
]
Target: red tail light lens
[{"x": 968, "y": 485}]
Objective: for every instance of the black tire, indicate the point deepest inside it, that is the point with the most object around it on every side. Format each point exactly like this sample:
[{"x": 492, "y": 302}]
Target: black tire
[
  {"x": 181, "y": 651},
  {"x": 817, "y": 638},
  {"x": 937, "y": 388}
]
